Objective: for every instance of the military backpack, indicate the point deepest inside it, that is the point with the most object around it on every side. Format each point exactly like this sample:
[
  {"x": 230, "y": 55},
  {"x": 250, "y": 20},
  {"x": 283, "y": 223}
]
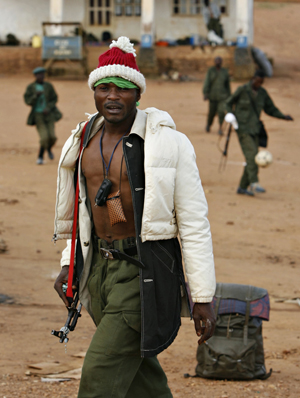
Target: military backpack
[{"x": 236, "y": 349}]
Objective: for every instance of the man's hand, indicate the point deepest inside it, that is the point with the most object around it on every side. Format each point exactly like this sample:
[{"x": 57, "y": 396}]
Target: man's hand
[
  {"x": 38, "y": 93},
  {"x": 45, "y": 111},
  {"x": 205, "y": 321},
  {"x": 288, "y": 117},
  {"x": 60, "y": 280}
]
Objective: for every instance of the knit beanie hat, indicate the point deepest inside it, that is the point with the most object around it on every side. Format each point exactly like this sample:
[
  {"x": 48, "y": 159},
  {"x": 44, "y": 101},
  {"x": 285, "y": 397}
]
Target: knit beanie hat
[
  {"x": 39, "y": 69},
  {"x": 118, "y": 61}
]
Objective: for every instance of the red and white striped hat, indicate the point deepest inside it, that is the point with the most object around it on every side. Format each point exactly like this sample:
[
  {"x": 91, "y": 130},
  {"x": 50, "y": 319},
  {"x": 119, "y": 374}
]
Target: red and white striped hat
[{"x": 118, "y": 61}]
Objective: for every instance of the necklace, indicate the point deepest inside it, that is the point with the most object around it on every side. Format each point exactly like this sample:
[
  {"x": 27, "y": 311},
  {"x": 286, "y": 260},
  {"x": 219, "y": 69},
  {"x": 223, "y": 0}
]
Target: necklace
[
  {"x": 105, "y": 188},
  {"x": 111, "y": 156}
]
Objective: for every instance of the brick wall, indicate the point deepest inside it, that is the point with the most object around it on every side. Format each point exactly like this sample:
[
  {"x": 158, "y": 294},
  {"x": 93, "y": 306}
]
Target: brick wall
[
  {"x": 183, "y": 59},
  {"x": 194, "y": 62},
  {"x": 19, "y": 59},
  {"x": 14, "y": 59}
]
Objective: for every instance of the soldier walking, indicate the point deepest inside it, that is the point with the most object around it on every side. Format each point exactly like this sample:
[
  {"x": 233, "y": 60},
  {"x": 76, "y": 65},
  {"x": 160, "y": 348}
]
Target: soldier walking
[
  {"x": 216, "y": 89},
  {"x": 42, "y": 98}
]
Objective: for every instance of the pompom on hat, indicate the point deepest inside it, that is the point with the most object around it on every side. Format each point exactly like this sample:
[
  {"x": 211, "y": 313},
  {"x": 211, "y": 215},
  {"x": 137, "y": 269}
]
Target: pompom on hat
[{"x": 118, "y": 61}]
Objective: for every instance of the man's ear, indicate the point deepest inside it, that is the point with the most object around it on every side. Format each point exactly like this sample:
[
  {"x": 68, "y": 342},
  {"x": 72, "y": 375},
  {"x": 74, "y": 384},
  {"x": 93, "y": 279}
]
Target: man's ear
[{"x": 138, "y": 94}]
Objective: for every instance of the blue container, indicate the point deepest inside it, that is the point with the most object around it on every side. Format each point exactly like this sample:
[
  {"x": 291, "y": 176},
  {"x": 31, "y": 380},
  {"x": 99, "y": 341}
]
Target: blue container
[
  {"x": 146, "y": 41},
  {"x": 195, "y": 40},
  {"x": 242, "y": 41}
]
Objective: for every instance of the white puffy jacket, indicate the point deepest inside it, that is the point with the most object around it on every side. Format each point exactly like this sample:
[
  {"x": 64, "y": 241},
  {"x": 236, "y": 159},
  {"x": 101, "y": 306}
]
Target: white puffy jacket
[{"x": 174, "y": 200}]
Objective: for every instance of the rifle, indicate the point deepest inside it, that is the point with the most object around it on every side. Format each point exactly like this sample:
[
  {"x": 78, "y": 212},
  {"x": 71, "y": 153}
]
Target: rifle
[
  {"x": 73, "y": 298},
  {"x": 223, "y": 160},
  {"x": 73, "y": 315}
]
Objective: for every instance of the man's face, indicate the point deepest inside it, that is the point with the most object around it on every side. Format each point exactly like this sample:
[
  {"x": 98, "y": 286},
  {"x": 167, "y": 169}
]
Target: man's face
[
  {"x": 218, "y": 62},
  {"x": 39, "y": 77},
  {"x": 257, "y": 82},
  {"x": 115, "y": 104}
]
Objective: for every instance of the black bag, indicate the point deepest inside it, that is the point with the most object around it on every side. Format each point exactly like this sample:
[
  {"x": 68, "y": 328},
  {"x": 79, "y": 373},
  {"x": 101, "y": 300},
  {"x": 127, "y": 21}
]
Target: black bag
[
  {"x": 57, "y": 114},
  {"x": 262, "y": 136},
  {"x": 236, "y": 349}
]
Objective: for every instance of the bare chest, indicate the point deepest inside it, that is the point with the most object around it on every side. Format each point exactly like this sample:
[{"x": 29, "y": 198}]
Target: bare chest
[{"x": 110, "y": 165}]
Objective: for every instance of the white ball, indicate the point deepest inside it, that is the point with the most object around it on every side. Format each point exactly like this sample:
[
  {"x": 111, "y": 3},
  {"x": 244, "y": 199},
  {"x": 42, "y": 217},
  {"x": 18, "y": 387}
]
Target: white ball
[{"x": 263, "y": 158}]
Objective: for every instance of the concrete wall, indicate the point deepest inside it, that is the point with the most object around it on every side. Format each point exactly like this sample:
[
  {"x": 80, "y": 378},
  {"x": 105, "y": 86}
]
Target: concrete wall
[
  {"x": 120, "y": 26},
  {"x": 229, "y": 21},
  {"x": 24, "y": 18},
  {"x": 276, "y": 1},
  {"x": 167, "y": 25}
]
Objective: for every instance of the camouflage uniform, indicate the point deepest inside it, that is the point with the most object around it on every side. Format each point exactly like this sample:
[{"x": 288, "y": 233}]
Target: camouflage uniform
[
  {"x": 216, "y": 88},
  {"x": 249, "y": 126},
  {"x": 44, "y": 122}
]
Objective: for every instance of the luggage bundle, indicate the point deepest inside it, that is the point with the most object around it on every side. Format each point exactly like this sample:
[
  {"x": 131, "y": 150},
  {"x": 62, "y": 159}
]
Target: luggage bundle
[{"x": 236, "y": 349}]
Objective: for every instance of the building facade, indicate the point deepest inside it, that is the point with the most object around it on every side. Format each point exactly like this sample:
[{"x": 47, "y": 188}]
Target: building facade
[{"x": 169, "y": 19}]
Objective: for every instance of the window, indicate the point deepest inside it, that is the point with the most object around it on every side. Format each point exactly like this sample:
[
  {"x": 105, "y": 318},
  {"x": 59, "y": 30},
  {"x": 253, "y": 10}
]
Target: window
[
  {"x": 127, "y": 8},
  {"x": 194, "y": 7},
  {"x": 223, "y": 6},
  {"x": 99, "y": 12},
  {"x": 187, "y": 7}
]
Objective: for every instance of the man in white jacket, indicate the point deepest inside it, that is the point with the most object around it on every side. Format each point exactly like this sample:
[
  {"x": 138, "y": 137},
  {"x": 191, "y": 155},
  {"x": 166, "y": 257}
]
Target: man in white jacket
[{"x": 139, "y": 187}]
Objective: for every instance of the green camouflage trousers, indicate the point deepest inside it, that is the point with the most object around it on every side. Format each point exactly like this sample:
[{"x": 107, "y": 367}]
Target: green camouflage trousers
[
  {"x": 249, "y": 145},
  {"x": 216, "y": 107},
  {"x": 113, "y": 367},
  {"x": 45, "y": 128}
]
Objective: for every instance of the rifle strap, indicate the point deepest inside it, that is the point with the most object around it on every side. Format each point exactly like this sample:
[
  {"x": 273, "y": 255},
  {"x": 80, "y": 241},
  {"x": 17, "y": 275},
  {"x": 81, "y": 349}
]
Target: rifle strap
[{"x": 69, "y": 293}]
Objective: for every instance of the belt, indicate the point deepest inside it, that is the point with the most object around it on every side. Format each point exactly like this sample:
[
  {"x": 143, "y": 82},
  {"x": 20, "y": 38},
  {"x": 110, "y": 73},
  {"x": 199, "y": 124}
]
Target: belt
[{"x": 111, "y": 253}]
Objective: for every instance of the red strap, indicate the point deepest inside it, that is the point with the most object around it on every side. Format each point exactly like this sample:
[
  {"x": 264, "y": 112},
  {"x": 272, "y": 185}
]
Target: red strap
[{"x": 74, "y": 230}]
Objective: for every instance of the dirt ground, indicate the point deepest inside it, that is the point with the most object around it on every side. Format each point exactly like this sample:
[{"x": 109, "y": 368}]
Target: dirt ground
[{"x": 255, "y": 239}]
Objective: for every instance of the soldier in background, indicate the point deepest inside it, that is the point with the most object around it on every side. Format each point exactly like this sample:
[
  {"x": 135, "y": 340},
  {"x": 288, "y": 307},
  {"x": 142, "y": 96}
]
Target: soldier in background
[
  {"x": 42, "y": 98},
  {"x": 247, "y": 103},
  {"x": 211, "y": 15},
  {"x": 216, "y": 89}
]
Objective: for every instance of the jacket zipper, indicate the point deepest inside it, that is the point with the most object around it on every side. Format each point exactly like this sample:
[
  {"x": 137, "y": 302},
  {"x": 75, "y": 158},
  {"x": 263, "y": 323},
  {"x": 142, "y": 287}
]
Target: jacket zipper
[{"x": 138, "y": 248}]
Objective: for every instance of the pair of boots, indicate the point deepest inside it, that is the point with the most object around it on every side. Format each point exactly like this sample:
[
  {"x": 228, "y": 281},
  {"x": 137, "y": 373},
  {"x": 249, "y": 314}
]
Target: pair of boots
[
  {"x": 220, "y": 132},
  {"x": 40, "y": 159},
  {"x": 254, "y": 188}
]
